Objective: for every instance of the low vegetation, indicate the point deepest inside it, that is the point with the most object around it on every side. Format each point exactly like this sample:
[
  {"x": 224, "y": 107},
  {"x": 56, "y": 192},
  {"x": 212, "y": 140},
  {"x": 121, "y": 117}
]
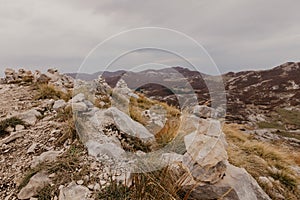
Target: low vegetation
[
  {"x": 65, "y": 169},
  {"x": 66, "y": 117},
  {"x": 45, "y": 91},
  {"x": 10, "y": 122},
  {"x": 262, "y": 159},
  {"x": 162, "y": 184}
]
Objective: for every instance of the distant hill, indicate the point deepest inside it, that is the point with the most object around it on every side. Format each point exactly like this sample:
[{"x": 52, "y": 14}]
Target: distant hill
[{"x": 249, "y": 93}]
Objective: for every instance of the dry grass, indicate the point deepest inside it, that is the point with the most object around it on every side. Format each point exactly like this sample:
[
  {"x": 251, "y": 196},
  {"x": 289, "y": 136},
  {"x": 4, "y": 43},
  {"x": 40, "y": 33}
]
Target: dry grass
[
  {"x": 164, "y": 184},
  {"x": 263, "y": 159},
  {"x": 168, "y": 132},
  {"x": 103, "y": 98},
  {"x": 45, "y": 91},
  {"x": 66, "y": 170},
  {"x": 66, "y": 117},
  {"x": 170, "y": 129}
]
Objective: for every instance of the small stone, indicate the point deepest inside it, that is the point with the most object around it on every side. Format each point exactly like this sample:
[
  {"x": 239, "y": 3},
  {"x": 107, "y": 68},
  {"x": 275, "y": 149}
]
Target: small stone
[
  {"x": 51, "y": 139},
  {"x": 80, "y": 182},
  {"x": 46, "y": 156},
  {"x": 102, "y": 182},
  {"x": 74, "y": 192},
  {"x": 91, "y": 186},
  {"x": 19, "y": 127},
  {"x": 79, "y": 107},
  {"x": 97, "y": 186},
  {"x": 59, "y": 104},
  {"x": 31, "y": 149},
  {"x": 9, "y": 129},
  {"x": 52, "y": 175}
]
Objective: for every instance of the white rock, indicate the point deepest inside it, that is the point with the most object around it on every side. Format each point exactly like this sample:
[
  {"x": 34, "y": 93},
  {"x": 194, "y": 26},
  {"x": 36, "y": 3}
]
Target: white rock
[
  {"x": 20, "y": 127},
  {"x": 13, "y": 136},
  {"x": 243, "y": 183},
  {"x": 97, "y": 149},
  {"x": 31, "y": 149},
  {"x": 79, "y": 107},
  {"x": 46, "y": 156},
  {"x": 59, "y": 104},
  {"x": 30, "y": 117},
  {"x": 74, "y": 192},
  {"x": 205, "y": 150},
  {"x": 80, "y": 182},
  {"x": 97, "y": 187},
  {"x": 78, "y": 98},
  {"x": 127, "y": 125},
  {"x": 91, "y": 186},
  {"x": 37, "y": 182}
]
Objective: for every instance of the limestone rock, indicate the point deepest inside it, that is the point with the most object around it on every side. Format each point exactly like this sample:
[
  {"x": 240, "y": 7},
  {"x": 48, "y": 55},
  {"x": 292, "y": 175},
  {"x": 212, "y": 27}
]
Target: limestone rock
[
  {"x": 243, "y": 183},
  {"x": 79, "y": 107},
  {"x": 46, "y": 156},
  {"x": 125, "y": 124},
  {"x": 74, "y": 192},
  {"x": 12, "y": 137},
  {"x": 36, "y": 183},
  {"x": 30, "y": 117},
  {"x": 59, "y": 104},
  {"x": 31, "y": 149},
  {"x": 78, "y": 98},
  {"x": 110, "y": 149}
]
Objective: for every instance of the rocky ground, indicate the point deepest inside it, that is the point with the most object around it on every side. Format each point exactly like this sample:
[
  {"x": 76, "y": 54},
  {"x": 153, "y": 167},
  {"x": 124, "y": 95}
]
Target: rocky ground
[{"x": 65, "y": 139}]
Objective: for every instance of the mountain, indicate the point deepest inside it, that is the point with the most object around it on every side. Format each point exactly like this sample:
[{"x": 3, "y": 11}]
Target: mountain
[{"x": 248, "y": 92}]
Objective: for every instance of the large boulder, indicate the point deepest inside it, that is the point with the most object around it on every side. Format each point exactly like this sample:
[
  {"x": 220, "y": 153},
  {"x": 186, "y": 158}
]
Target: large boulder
[
  {"x": 206, "y": 152},
  {"x": 127, "y": 125},
  {"x": 243, "y": 184}
]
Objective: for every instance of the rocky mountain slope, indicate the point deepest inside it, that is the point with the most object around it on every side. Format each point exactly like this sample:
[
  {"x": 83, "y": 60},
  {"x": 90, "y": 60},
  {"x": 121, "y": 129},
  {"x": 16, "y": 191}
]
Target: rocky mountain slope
[
  {"x": 66, "y": 139},
  {"x": 267, "y": 99}
]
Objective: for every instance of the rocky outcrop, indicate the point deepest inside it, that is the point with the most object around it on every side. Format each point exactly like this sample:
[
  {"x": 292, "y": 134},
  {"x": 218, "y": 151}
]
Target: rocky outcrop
[{"x": 52, "y": 76}]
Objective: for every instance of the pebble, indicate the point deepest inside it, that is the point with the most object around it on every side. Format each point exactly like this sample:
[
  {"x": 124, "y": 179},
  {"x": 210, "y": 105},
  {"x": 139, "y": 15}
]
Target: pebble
[{"x": 31, "y": 149}]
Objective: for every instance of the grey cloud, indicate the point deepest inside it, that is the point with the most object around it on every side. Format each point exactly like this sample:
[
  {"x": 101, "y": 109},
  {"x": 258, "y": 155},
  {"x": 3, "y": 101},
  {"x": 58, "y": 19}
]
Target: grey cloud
[{"x": 238, "y": 34}]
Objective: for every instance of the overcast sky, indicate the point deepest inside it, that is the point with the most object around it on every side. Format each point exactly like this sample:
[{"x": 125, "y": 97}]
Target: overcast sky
[{"x": 237, "y": 34}]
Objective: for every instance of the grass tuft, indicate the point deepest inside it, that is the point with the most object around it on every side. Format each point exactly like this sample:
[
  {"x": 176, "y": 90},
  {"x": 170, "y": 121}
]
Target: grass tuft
[{"x": 45, "y": 91}]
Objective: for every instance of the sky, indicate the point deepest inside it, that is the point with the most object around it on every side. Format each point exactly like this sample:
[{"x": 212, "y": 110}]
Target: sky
[{"x": 231, "y": 35}]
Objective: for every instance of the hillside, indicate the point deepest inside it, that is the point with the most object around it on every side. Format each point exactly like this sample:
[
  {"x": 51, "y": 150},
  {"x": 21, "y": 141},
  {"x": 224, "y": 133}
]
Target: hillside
[
  {"x": 66, "y": 139},
  {"x": 266, "y": 99}
]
